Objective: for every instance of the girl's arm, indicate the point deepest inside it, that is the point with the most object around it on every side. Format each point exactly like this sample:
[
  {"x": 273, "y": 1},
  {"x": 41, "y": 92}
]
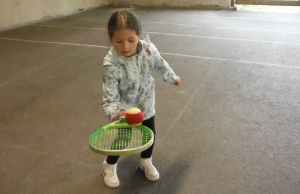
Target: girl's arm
[
  {"x": 162, "y": 66},
  {"x": 111, "y": 96}
]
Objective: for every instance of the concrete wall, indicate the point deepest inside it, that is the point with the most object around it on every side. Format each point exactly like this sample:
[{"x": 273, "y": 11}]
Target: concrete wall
[
  {"x": 222, "y": 4},
  {"x": 15, "y": 13}
]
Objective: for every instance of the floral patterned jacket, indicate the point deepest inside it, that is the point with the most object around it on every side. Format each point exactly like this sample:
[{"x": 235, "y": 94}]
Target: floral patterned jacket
[{"x": 128, "y": 83}]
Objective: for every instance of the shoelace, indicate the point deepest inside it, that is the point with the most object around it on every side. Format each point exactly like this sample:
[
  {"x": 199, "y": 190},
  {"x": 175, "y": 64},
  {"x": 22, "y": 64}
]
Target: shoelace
[
  {"x": 111, "y": 173},
  {"x": 151, "y": 166}
]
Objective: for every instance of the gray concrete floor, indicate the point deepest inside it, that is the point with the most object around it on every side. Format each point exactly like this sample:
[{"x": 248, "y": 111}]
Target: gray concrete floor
[{"x": 231, "y": 127}]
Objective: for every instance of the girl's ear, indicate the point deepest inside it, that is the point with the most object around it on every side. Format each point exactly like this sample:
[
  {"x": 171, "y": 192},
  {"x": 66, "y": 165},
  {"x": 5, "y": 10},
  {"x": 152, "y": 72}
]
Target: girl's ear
[
  {"x": 140, "y": 36},
  {"x": 109, "y": 40}
]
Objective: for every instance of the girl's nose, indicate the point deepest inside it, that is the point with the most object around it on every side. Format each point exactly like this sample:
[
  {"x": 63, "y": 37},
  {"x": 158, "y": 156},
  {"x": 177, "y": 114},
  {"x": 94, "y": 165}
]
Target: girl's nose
[{"x": 125, "y": 45}]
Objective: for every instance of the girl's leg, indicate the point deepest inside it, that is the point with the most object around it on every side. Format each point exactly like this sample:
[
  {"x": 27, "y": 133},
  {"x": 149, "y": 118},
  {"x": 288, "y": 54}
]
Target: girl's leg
[
  {"x": 150, "y": 124},
  {"x": 110, "y": 171},
  {"x": 146, "y": 156},
  {"x": 110, "y": 174},
  {"x": 112, "y": 159}
]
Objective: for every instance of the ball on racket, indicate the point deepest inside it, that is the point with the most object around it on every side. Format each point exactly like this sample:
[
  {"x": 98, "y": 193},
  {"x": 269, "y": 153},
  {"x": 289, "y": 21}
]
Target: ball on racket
[{"x": 134, "y": 116}]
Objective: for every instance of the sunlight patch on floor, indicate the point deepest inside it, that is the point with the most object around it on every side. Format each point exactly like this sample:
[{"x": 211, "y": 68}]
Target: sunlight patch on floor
[{"x": 269, "y": 8}]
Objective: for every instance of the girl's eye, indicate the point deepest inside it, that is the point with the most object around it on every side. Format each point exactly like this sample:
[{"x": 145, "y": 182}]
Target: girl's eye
[
  {"x": 118, "y": 41},
  {"x": 131, "y": 40}
]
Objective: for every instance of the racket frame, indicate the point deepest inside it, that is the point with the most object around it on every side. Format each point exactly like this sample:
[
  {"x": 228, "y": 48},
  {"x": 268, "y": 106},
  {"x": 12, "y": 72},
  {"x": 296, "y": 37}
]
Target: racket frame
[{"x": 121, "y": 123}]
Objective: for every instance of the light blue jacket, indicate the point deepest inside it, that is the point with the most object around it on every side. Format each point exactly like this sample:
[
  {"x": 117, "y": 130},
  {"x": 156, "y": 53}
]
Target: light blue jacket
[{"x": 128, "y": 83}]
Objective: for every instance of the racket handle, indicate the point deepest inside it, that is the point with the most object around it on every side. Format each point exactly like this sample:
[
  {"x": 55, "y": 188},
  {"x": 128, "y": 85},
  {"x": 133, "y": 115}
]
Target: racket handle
[{"x": 121, "y": 120}]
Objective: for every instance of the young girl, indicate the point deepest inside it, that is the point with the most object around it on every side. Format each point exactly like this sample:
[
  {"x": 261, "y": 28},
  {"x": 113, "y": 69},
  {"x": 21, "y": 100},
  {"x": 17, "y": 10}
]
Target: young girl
[{"x": 128, "y": 83}]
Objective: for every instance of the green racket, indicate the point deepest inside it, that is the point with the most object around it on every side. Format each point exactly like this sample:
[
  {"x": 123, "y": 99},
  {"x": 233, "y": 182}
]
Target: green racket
[{"x": 119, "y": 138}]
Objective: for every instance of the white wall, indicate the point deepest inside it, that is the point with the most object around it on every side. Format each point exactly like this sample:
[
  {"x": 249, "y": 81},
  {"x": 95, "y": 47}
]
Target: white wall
[
  {"x": 15, "y": 13},
  {"x": 223, "y": 4}
]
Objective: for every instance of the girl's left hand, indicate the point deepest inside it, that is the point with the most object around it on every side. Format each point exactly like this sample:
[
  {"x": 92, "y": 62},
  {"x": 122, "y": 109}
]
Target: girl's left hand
[
  {"x": 121, "y": 113},
  {"x": 177, "y": 81}
]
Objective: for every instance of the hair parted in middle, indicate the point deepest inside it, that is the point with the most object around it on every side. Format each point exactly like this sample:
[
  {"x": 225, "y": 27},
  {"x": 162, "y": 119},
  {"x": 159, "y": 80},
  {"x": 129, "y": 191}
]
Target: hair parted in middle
[{"x": 123, "y": 19}]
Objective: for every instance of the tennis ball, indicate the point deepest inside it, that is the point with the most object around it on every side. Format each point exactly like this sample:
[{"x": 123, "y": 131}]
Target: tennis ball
[{"x": 134, "y": 116}]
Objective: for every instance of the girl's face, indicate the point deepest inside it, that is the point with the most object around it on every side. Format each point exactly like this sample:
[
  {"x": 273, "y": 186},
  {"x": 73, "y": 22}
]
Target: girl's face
[{"x": 125, "y": 41}]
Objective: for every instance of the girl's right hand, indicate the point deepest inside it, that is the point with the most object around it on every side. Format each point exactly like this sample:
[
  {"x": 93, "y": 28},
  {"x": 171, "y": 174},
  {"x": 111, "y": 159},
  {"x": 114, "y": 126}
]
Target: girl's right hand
[
  {"x": 120, "y": 114},
  {"x": 177, "y": 81}
]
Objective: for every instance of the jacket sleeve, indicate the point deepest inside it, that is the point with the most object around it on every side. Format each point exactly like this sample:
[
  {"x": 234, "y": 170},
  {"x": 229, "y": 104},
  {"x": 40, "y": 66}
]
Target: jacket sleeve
[
  {"x": 162, "y": 66},
  {"x": 111, "y": 96}
]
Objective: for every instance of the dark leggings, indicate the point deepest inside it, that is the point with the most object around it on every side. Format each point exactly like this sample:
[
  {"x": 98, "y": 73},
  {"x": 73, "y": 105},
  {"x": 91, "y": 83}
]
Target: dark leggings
[{"x": 145, "y": 154}]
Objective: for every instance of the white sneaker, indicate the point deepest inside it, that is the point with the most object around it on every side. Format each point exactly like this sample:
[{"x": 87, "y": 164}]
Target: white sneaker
[
  {"x": 110, "y": 175},
  {"x": 150, "y": 171}
]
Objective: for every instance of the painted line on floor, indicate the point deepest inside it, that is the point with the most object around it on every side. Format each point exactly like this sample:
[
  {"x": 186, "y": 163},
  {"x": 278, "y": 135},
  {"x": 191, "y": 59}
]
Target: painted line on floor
[
  {"x": 226, "y": 17},
  {"x": 163, "y": 53},
  {"x": 201, "y": 26},
  {"x": 39, "y": 67},
  {"x": 72, "y": 27},
  {"x": 223, "y": 27},
  {"x": 186, "y": 35},
  {"x": 51, "y": 42},
  {"x": 175, "y": 121},
  {"x": 231, "y": 60},
  {"x": 221, "y": 38},
  {"x": 207, "y": 16}
]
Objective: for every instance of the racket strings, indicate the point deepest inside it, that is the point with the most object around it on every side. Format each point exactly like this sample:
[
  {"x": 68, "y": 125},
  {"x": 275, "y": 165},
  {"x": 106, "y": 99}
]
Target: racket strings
[{"x": 121, "y": 138}]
